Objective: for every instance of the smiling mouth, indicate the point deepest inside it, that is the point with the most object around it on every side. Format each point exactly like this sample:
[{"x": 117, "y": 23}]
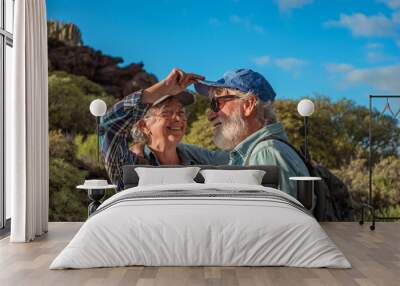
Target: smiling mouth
[{"x": 175, "y": 128}]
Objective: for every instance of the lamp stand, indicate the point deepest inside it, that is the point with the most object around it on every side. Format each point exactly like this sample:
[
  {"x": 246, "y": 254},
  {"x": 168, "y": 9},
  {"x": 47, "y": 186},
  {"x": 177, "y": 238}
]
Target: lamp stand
[
  {"x": 98, "y": 138},
  {"x": 305, "y": 137}
]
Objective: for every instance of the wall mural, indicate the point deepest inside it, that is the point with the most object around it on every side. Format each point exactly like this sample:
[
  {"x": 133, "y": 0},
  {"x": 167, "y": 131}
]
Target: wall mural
[{"x": 78, "y": 74}]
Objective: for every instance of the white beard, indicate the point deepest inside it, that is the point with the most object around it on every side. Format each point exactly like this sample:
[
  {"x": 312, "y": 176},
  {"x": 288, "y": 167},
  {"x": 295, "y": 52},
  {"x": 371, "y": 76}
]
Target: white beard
[{"x": 230, "y": 132}]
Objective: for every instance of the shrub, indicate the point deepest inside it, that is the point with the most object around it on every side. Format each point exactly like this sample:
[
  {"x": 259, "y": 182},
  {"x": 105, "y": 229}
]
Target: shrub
[
  {"x": 69, "y": 100},
  {"x": 385, "y": 182},
  {"x": 66, "y": 203}
]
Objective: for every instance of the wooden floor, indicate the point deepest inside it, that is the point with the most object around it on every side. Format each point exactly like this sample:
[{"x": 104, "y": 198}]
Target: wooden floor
[{"x": 375, "y": 256}]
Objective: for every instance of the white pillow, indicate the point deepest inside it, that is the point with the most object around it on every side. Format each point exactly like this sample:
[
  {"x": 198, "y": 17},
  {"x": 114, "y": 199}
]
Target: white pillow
[
  {"x": 166, "y": 176},
  {"x": 248, "y": 177}
]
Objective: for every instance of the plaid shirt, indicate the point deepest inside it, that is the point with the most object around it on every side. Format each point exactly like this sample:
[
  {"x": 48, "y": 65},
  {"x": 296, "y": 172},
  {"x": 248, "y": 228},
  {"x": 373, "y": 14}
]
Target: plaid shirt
[{"x": 115, "y": 129}]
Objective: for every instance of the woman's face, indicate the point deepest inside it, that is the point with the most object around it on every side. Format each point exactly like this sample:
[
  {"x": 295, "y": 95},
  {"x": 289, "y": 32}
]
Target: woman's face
[{"x": 166, "y": 123}]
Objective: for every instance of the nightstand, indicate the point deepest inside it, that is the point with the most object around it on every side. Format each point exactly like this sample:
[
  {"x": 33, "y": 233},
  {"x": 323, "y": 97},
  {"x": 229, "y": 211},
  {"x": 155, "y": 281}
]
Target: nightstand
[{"x": 96, "y": 193}]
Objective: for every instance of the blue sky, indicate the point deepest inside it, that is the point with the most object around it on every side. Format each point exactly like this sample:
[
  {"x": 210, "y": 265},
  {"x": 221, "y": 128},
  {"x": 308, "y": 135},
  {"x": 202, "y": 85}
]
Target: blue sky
[{"x": 341, "y": 48}]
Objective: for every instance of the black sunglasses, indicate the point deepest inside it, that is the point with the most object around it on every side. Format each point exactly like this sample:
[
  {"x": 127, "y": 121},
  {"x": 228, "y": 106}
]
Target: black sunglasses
[{"x": 215, "y": 103}]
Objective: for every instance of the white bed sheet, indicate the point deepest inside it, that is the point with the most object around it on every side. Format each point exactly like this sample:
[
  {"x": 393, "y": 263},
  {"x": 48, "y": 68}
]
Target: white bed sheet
[{"x": 192, "y": 231}]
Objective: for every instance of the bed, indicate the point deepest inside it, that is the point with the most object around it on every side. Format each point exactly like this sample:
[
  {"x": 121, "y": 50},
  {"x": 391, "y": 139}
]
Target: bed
[{"x": 201, "y": 224}]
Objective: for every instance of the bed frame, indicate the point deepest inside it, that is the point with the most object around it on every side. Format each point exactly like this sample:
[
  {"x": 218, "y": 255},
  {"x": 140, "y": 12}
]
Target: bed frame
[{"x": 270, "y": 179}]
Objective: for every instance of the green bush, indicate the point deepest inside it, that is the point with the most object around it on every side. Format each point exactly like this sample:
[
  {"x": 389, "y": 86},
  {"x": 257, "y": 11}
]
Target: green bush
[
  {"x": 385, "y": 182},
  {"x": 86, "y": 150},
  {"x": 197, "y": 109},
  {"x": 72, "y": 158},
  {"x": 338, "y": 131},
  {"x": 66, "y": 203},
  {"x": 69, "y": 100},
  {"x": 60, "y": 146},
  {"x": 200, "y": 133}
]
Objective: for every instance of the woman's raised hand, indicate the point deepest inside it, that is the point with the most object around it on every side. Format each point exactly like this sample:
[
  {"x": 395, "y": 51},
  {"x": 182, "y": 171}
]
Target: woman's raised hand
[{"x": 176, "y": 82}]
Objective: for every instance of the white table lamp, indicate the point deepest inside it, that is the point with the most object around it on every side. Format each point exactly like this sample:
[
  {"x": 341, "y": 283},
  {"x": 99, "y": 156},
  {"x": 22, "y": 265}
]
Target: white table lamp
[
  {"x": 98, "y": 108},
  {"x": 306, "y": 109}
]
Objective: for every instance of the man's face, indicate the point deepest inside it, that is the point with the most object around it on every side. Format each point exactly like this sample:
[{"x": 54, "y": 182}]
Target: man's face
[
  {"x": 227, "y": 119},
  {"x": 167, "y": 122}
]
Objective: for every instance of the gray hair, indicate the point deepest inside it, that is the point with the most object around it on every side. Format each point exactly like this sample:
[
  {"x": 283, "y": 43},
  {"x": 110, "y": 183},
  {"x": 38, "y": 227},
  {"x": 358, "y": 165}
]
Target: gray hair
[
  {"x": 138, "y": 135},
  {"x": 265, "y": 112}
]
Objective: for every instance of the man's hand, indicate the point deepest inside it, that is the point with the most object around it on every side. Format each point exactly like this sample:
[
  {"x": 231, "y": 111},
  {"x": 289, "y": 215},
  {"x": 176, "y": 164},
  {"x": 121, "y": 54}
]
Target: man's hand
[{"x": 176, "y": 82}]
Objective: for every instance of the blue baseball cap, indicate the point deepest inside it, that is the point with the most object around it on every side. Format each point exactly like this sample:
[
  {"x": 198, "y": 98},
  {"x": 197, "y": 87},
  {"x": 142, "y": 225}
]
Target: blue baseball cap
[{"x": 244, "y": 80}]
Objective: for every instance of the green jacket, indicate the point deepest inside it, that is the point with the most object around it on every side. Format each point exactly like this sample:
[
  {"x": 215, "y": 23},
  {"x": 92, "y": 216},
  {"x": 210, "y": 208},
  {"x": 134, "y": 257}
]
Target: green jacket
[{"x": 271, "y": 152}]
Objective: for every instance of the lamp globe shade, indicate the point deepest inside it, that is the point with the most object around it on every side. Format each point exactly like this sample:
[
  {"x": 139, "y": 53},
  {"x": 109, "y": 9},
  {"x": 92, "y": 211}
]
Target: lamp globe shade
[
  {"x": 98, "y": 107},
  {"x": 305, "y": 107}
]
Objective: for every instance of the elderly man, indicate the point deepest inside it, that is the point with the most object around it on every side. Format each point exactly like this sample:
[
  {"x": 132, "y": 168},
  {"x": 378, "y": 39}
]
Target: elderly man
[
  {"x": 245, "y": 124},
  {"x": 155, "y": 117}
]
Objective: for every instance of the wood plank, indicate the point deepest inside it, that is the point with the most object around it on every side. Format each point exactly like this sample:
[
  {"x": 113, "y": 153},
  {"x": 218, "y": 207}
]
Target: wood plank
[{"x": 375, "y": 257}]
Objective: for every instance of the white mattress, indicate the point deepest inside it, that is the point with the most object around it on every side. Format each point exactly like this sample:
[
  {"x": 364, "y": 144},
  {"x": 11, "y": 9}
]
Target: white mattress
[{"x": 190, "y": 230}]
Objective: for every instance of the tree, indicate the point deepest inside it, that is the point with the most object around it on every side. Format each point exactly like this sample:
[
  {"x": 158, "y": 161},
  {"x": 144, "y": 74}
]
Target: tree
[
  {"x": 86, "y": 153},
  {"x": 385, "y": 182},
  {"x": 200, "y": 133},
  {"x": 338, "y": 131},
  {"x": 65, "y": 203},
  {"x": 73, "y": 153},
  {"x": 69, "y": 100}
]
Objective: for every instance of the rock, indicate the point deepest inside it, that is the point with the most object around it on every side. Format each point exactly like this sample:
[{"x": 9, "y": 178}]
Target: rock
[
  {"x": 67, "y": 52},
  {"x": 67, "y": 33},
  {"x": 140, "y": 80}
]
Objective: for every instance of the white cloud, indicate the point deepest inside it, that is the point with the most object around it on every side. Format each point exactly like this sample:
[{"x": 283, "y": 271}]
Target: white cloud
[
  {"x": 373, "y": 46},
  {"x": 289, "y": 64},
  {"x": 287, "y": 5},
  {"x": 396, "y": 17},
  {"x": 247, "y": 23},
  {"x": 338, "y": 68},
  {"x": 393, "y": 4},
  {"x": 366, "y": 26},
  {"x": 385, "y": 78},
  {"x": 376, "y": 56},
  {"x": 375, "y": 53},
  {"x": 262, "y": 61}
]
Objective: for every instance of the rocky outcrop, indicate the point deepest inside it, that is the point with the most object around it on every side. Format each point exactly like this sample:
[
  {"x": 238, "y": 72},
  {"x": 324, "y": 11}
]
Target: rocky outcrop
[
  {"x": 68, "y": 53},
  {"x": 66, "y": 33}
]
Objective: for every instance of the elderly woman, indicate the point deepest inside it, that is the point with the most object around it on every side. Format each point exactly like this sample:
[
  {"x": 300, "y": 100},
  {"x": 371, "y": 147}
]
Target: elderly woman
[{"x": 155, "y": 117}]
